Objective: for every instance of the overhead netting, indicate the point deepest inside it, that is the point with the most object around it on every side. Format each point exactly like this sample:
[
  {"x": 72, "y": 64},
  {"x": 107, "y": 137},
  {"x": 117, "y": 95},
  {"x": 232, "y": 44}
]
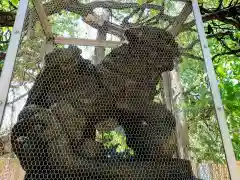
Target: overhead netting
[{"x": 85, "y": 112}]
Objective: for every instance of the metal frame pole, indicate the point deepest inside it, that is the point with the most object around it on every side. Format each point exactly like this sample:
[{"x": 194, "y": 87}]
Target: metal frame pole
[
  {"x": 231, "y": 161},
  {"x": 9, "y": 62}
]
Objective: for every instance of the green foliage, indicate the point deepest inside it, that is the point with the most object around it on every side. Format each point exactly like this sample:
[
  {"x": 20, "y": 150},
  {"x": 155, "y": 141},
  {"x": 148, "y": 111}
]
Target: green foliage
[
  {"x": 5, "y": 32},
  {"x": 228, "y": 73},
  {"x": 15, "y": 2},
  {"x": 1, "y": 65},
  {"x": 205, "y": 140},
  {"x": 115, "y": 139},
  {"x": 8, "y": 5},
  {"x": 64, "y": 23},
  {"x": 151, "y": 1}
]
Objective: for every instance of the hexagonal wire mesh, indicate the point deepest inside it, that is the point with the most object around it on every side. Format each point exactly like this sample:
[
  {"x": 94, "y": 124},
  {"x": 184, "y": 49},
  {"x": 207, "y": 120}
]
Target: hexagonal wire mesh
[{"x": 85, "y": 112}]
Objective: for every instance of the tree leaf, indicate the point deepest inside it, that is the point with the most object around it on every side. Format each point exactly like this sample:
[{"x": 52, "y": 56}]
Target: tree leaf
[{"x": 15, "y": 2}]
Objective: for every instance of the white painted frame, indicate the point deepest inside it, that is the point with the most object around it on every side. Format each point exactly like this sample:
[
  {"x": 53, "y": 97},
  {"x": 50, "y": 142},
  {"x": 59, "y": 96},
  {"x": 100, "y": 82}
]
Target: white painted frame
[
  {"x": 7, "y": 71},
  {"x": 231, "y": 161},
  {"x": 87, "y": 42}
]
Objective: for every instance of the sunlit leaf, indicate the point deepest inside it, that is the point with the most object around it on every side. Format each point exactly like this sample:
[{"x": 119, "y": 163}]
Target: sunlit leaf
[{"x": 15, "y": 2}]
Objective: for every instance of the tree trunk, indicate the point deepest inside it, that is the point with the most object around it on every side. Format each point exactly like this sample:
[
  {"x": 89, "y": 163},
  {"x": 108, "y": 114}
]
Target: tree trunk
[{"x": 181, "y": 124}]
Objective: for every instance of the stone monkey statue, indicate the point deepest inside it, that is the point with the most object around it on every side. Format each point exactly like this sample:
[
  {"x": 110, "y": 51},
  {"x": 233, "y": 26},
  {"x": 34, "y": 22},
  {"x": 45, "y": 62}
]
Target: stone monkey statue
[
  {"x": 61, "y": 110},
  {"x": 132, "y": 72},
  {"x": 53, "y": 137},
  {"x": 134, "y": 69},
  {"x": 43, "y": 138}
]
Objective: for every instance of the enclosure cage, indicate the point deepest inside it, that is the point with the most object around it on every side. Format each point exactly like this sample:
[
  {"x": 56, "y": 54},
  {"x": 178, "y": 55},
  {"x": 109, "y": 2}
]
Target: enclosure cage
[{"x": 98, "y": 90}]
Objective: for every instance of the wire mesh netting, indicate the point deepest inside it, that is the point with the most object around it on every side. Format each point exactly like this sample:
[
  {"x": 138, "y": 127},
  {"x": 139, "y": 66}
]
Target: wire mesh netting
[{"x": 85, "y": 112}]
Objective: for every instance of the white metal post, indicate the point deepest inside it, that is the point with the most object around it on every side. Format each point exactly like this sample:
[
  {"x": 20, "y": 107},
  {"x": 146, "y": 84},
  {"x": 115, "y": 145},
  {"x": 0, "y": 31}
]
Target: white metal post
[
  {"x": 9, "y": 62},
  {"x": 231, "y": 161}
]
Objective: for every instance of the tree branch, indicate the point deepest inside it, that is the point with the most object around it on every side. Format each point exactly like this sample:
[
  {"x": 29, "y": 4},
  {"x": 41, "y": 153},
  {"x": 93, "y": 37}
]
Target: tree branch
[
  {"x": 220, "y": 4},
  {"x": 17, "y": 99},
  {"x": 126, "y": 19},
  {"x": 159, "y": 16},
  {"x": 221, "y": 15},
  {"x": 30, "y": 75},
  {"x": 220, "y": 34},
  {"x": 74, "y": 6},
  {"x": 192, "y": 56},
  {"x": 54, "y": 7},
  {"x": 85, "y": 9},
  {"x": 12, "y": 5},
  {"x": 140, "y": 15},
  {"x": 119, "y": 5},
  {"x": 232, "y": 52},
  {"x": 4, "y": 42}
]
